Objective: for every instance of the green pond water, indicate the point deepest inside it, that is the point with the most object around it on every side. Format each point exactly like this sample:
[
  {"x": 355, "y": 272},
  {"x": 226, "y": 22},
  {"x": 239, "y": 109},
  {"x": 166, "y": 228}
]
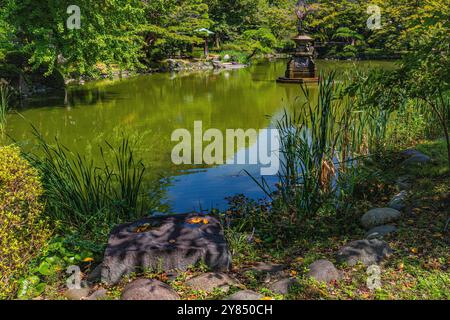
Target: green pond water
[{"x": 148, "y": 108}]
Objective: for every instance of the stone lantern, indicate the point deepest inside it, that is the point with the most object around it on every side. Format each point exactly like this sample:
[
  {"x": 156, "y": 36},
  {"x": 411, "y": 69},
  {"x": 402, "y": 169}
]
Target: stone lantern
[{"x": 301, "y": 68}]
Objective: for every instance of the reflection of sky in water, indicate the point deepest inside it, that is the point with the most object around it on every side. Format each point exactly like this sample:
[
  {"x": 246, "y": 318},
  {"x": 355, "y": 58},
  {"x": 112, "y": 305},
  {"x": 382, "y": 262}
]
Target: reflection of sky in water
[
  {"x": 148, "y": 108},
  {"x": 204, "y": 189}
]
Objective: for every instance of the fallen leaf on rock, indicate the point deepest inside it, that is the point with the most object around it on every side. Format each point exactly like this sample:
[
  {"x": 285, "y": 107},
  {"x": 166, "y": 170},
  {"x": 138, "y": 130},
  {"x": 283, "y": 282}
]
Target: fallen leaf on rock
[
  {"x": 143, "y": 228},
  {"x": 198, "y": 220}
]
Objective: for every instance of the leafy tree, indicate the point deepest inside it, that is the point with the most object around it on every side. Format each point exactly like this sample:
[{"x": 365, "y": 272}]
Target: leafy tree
[
  {"x": 260, "y": 40},
  {"x": 172, "y": 26},
  {"x": 109, "y": 34},
  {"x": 233, "y": 17},
  {"x": 5, "y": 33},
  {"x": 328, "y": 17},
  {"x": 348, "y": 35},
  {"x": 423, "y": 72},
  {"x": 425, "y": 68},
  {"x": 279, "y": 17}
]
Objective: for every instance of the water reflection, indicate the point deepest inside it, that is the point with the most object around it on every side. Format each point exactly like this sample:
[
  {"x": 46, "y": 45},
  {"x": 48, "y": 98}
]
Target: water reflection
[{"x": 149, "y": 108}]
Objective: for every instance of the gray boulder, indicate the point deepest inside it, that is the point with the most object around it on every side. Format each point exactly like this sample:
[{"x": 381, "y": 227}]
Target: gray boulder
[
  {"x": 207, "y": 282},
  {"x": 148, "y": 289},
  {"x": 245, "y": 295},
  {"x": 380, "y": 231},
  {"x": 324, "y": 271},
  {"x": 283, "y": 286},
  {"x": 410, "y": 152},
  {"x": 368, "y": 252},
  {"x": 398, "y": 202},
  {"x": 95, "y": 275},
  {"x": 415, "y": 157},
  {"x": 77, "y": 294},
  {"x": 266, "y": 267},
  {"x": 379, "y": 216},
  {"x": 165, "y": 244},
  {"x": 99, "y": 294}
]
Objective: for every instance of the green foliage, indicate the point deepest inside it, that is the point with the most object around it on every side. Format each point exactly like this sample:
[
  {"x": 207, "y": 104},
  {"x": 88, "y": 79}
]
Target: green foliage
[
  {"x": 23, "y": 230},
  {"x": 346, "y": 20},
  {"x": 236, "y": 56},
  {"x": 50, "y": 267},
  {"x": 5, "y": 33},
  {"x": 422, "y": 79},
  {"x": 233, "y": 17},
  {"x": 5, "y": 96},
  {"x": 424, "y": 69},
  {"x": 260, "y": 39},
  {"x": 91, "y": 198},
  {"x": 172, "y": 26},
  {"x": 108, "y": 34},
  {"x": 347, "y": 34}
]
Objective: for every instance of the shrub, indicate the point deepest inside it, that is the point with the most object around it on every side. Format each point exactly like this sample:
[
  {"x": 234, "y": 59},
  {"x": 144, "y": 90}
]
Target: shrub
[
  {"x": 236, "y": 56},
  {"x": 23, "y": 232}
]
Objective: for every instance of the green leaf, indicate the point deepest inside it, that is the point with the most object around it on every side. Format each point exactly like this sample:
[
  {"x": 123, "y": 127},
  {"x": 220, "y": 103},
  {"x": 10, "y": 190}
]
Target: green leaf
[{"x": 44, "y": 269}]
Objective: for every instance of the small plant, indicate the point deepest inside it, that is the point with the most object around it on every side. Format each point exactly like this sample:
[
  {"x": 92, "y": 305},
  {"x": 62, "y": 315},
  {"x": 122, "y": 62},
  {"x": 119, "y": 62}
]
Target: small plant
[{"x": 50, "y": 267}]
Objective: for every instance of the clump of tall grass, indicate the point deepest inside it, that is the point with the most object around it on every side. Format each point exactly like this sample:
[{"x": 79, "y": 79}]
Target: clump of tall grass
[
  {"x": 90, "y": 197},
  {"x": 320, "y": 142},
  {"x": 5, "y": 96}
]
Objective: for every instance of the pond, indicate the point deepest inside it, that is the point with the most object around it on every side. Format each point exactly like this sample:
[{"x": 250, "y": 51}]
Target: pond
[{"x": 149, "y": 108}]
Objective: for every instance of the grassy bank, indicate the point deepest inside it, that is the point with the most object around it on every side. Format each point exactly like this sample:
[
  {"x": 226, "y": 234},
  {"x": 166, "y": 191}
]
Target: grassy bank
[{"x": 418, "y": 268}]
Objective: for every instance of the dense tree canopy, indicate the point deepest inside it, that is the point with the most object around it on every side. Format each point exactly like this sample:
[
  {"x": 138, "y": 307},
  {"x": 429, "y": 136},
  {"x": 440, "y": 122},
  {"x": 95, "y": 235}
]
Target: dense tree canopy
[
  {"x": 108, "y": 33},
  {"x": 126, "y": 34}
]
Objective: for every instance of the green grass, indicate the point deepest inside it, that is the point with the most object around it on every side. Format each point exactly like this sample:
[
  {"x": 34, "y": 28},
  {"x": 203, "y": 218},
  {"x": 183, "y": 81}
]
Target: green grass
[{"x": 89, "y": 198}]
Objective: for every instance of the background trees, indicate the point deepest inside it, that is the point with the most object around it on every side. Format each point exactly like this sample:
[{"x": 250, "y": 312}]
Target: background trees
[
  {"x": 127, "y": 34},
  {"x": 108, "y": 34}
]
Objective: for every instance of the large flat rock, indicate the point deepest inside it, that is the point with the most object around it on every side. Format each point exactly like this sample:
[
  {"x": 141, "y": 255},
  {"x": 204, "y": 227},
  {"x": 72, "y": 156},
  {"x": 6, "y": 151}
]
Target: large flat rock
[
  {"x": 165, "y": 243},
  {"x": 379, "y": 216},
  {"x": 380, "y": 232},
  {"x": 148, "y": 289},
  {"x": 210, "y": 281},
  {"x": 283, "y": 286},
  {"x": 324, "y": 271},
  {"x": 245, "y": 295},
  {"x": 368, "y": 252}
]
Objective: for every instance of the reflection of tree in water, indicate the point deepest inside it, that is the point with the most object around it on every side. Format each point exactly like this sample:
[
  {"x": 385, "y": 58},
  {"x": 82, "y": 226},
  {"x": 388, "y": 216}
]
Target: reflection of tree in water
[
  {"x": 68, "y": 97},
  {"x": 91, "y": 96}
]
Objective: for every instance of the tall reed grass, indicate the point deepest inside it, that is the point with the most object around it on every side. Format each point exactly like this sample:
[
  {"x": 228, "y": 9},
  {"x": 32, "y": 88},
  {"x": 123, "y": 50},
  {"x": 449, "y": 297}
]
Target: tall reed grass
[
  {"x": 90, "y": 197},
  {"x": 321, "y": 141}
]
